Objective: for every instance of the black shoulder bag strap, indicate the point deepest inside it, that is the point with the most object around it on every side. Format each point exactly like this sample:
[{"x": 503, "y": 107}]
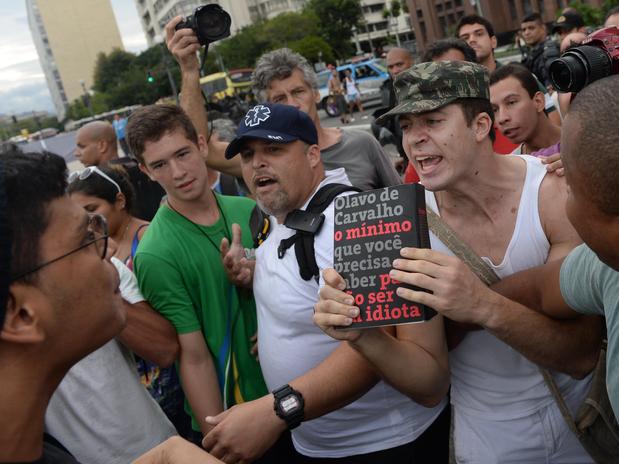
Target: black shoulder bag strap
[{"x": 308, "y": 223}]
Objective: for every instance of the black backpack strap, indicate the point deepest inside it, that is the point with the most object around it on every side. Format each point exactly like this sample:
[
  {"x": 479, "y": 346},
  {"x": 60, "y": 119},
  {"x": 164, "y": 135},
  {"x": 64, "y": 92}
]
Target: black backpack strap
[{"x": 303, "y": 239}]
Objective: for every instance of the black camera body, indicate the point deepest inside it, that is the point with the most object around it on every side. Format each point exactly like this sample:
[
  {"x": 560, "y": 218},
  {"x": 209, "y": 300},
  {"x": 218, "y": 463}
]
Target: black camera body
[
  {"x": 209, "y": 22},
  {"x": 595, "y": 58}
]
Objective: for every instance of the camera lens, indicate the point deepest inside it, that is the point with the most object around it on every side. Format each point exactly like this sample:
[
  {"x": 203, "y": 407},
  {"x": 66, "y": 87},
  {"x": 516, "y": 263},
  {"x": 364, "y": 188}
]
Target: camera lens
[
  {"x": 212, "y": 22},
  {"x": 578, "y": 67},
  {"x": 568, "y": 73},
  {"x": 211, "y": 25}
]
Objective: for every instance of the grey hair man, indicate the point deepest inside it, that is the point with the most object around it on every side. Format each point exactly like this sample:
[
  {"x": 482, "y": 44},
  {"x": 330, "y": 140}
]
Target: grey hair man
[{"x": 283, "y": 76}]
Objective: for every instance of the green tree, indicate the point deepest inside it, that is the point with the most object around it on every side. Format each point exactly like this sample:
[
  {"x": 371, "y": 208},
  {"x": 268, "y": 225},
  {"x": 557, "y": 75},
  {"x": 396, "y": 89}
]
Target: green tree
[
  {"x": 78, "y": 110},
  {"x": 290, "y": 27},
  {"x": 337, "y": 17},
  {"x": 591, "y": 15},
  {"x": 396, "y": 8},
  {"x": 243, "y": 48},
  {"x": 121, "y": 79},
  {"x": 110, "y": 68},
  {"x": 298, "y": 31},
  {"x": 313, "y": 48}
]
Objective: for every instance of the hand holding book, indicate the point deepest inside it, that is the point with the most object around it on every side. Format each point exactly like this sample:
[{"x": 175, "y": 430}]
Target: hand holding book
[{"x": 335, "y": 308}]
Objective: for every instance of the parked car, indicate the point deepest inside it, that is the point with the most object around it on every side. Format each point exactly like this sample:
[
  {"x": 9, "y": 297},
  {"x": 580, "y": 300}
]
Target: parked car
[{"x": 369, "y": 75}]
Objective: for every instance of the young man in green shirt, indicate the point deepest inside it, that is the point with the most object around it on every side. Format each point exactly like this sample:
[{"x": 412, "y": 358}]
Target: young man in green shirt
[{"x": 179, "y": 268}]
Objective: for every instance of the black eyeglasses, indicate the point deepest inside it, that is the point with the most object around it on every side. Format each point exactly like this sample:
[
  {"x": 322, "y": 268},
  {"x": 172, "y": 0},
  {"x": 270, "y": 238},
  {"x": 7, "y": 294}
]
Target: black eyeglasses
[{"x": 97, "y": 229}]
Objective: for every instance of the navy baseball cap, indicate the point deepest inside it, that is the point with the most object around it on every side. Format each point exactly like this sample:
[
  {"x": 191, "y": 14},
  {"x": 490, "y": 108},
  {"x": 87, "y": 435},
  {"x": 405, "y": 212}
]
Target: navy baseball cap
[{"x": 273, "y": 122}]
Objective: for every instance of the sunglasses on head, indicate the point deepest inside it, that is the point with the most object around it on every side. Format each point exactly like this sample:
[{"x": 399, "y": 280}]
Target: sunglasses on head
[{"x": 85, "y": 174}]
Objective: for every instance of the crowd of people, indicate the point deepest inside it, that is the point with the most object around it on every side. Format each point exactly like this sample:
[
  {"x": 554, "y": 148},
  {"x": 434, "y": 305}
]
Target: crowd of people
[{"x": 178, "y": 305}]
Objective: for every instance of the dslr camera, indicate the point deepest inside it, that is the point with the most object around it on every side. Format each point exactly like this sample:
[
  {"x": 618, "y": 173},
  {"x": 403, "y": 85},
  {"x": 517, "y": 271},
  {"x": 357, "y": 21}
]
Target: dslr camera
[
  {"x": 595, "y": 58},
  {"x": 209, "y": 22}
]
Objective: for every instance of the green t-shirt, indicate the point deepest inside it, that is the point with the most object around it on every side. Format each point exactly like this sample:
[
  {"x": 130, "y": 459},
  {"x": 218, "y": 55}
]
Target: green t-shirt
[
  {"x": 180, "y": 273},
  {"x": 591, "y": 287}
]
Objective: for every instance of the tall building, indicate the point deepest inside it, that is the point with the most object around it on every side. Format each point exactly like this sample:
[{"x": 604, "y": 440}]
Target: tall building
[
  {"x": 376, "y": 26},
  {"x": 68, "y": 36},
  {"x": 154, "y": 14},
  {"x": 436, "y": 19},
  {"x": 268, "y": 9}
]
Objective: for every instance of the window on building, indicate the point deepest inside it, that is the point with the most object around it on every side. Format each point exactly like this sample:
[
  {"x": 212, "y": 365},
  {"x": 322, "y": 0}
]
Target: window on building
[
  {"x": 448, "y": 5},
  {"x": 376, "y": 7},
  {"x": 526, "y": 7},
  {"x": 419, "y": 14},
  {"x": 439, "y": 7},
  {"x": 458, "y": 3},
  {"x": 443, "y": 24},
  {"x": 381, "y": 26},
  {"x": 422, "y": 29}
]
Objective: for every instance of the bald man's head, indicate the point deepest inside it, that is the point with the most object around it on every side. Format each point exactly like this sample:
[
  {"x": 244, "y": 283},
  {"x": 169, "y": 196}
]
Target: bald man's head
[
  {"x": 398, "y": 59},
  {"x": 96, "y": 143}
]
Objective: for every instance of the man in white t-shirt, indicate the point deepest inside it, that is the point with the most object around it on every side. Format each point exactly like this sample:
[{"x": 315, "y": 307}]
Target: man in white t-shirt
[
  {"x": 505, "y": 209},
  {"x": 322, "y": 389}
]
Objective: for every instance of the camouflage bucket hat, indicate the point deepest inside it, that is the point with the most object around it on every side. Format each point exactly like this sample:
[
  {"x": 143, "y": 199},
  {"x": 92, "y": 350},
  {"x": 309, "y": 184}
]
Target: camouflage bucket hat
[{"x": 429, "y": 86}]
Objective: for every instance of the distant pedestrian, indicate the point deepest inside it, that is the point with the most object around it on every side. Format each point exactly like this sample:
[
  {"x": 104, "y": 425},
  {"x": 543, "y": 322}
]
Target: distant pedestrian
[
  {"x": 96, "y": 146},
  {"x": 336, "y": 93},
  {"x": 119, "y": 124},
  {"x": 353, "y": 96}
]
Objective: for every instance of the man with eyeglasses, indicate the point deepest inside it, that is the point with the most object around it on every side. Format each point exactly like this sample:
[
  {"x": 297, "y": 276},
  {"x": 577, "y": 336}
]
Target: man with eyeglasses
[
  {"x": 96, "y": 146},
  {"x": 50, "y": 315},
  {"x": 104, "y": 384}
]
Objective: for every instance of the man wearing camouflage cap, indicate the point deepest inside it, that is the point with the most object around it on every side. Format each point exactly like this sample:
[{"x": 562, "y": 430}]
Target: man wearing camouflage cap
[{"x": 509, "y": 212}]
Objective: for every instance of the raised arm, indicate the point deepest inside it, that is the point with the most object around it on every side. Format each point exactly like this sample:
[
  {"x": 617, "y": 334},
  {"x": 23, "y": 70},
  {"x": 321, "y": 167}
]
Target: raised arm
[{"x": 184, "y": 45}]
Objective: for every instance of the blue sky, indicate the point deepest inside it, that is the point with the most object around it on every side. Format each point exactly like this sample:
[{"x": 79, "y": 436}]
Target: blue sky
[{"x": 22, "y": 83}]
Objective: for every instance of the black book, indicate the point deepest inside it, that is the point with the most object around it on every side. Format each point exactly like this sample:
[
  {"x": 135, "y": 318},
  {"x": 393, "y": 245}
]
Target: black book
[{"x": 370, "y": 229}]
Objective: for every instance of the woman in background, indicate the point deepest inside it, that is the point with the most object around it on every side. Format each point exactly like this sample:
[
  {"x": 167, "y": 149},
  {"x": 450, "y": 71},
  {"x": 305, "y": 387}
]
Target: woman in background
[{"x": 108, "y": 191}]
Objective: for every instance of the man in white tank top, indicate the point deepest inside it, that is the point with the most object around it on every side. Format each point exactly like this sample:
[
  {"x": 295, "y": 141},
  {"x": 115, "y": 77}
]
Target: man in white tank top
[{"x": 511, "y": 214}]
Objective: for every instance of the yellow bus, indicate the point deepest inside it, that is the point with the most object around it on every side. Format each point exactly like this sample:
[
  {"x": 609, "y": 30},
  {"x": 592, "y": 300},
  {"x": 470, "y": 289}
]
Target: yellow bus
[{"x": 226, "y": 84}]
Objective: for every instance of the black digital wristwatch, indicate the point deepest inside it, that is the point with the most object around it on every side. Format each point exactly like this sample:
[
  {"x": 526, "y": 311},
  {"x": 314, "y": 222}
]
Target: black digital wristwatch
[{"x": 289, "y": 405}]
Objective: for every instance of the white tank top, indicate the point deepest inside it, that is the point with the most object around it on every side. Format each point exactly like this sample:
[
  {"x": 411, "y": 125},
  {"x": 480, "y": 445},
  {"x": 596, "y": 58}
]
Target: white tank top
[
  {"x": 351, "y": 88},
  {"x": 488, "y": 377}
]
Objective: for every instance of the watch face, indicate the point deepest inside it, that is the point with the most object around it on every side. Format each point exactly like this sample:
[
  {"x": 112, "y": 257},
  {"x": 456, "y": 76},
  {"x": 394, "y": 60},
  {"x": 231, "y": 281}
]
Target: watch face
[{"x": 289, "y": 404}]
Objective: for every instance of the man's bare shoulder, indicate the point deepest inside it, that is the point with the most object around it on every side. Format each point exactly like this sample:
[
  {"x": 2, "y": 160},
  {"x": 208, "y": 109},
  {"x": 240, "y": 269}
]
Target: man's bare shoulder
[
  {"x": 551, "y": 202},
  {"x": 552, "y": 196}
]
